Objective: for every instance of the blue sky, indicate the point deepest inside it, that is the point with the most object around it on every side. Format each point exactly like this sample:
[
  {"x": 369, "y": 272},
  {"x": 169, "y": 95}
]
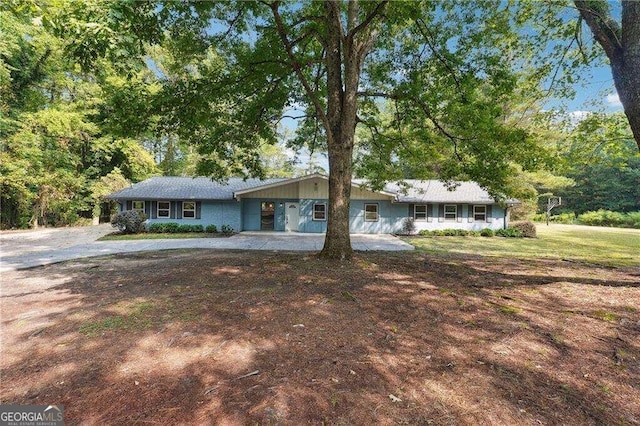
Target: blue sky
[{"x": 594, "y": 92}]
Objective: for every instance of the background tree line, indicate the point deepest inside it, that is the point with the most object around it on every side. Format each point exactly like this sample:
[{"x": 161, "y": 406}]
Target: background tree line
[{"x": 97, "y": 94}]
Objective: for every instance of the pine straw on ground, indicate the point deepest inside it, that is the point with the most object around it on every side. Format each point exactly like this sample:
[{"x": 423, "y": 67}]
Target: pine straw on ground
[{"x": 189, "y": 337}]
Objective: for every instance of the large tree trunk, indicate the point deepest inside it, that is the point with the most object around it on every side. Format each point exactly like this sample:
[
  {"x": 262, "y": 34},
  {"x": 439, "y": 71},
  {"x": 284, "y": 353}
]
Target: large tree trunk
[
  {"x": 621, "y": 43},
  {"x": 628, "y": 81},
  {"x": 345, "y": 50},
  {"x": 337, "y": 243}
]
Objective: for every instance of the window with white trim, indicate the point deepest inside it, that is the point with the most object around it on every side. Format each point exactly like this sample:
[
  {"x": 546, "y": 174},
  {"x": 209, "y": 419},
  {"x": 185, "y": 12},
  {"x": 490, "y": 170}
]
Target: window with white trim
[
  {"x": 188, "y": 209},
  {"x": 450, "y": 212},
  {"x": 164, "y": 209},
  {"x": 370, "y": 212},
  {"x": 137, "y": 206},
  {"x": 420, "y": 212},
  {"x": 319, "y": 211},
  {"x": 479, "y": 213}
]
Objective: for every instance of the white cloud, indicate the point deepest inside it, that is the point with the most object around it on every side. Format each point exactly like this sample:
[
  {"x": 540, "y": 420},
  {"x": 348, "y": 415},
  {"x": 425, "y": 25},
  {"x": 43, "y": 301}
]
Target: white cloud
[
  {"x": 576, "y": 117},
  {"x": 613, "y": 100}
]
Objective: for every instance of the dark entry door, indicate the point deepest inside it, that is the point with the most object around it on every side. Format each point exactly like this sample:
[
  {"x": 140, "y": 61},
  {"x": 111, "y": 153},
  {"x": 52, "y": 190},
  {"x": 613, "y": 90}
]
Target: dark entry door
[{"x": 267, "y": 215}]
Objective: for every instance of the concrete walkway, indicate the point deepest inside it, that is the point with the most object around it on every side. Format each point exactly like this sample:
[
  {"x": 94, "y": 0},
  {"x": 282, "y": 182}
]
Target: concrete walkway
[{"x": 27, "y": 249}]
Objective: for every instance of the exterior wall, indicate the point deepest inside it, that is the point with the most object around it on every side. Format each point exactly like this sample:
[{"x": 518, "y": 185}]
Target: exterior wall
[
  {"x": 245, "y": 215},
  {"x": 495, "y": 220},
  {"x": 390, "y": 217},
  {"x": 315, "y": 189},
  {"x": 289, "y": 191},
  {"x": 211, "y": 213},
  {"x": 318, "y": 189},
  {"x": 390, "y": 214}
]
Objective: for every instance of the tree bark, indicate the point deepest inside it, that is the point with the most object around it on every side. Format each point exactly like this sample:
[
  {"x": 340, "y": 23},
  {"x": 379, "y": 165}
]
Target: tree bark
[
  {"x": 346, "y": 50},
  {"x": 337, "y": 242},
  {"x": 621, "y": 44}
]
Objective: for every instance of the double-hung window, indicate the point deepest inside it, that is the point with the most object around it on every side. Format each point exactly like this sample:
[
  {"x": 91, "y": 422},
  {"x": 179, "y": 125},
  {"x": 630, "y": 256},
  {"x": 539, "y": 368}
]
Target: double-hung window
[
  {"x": 450, "y": 212},
  {"x": 189, "y": 210},
  {"x": 370, "y": 212},
  {"x": 137, "y": 206},
  {"x": 479, "y": 213},
  {"x": 320, "y": 211},
  {"x": 420, "y": 212},
  {"x": 164, "y": 209}
]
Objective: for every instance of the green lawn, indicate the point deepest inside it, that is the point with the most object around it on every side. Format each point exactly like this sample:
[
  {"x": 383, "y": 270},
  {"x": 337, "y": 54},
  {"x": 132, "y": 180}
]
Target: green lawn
[
  {"x": 611, "y": 246},
  {"x": 151, "y": 236}
]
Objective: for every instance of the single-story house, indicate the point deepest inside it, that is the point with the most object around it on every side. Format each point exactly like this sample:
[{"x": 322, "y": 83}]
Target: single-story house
[{"x": 301, "y": 204}]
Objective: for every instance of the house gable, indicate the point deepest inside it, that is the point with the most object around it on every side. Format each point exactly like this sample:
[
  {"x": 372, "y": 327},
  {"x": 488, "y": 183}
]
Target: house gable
[{"x": 314, "y": 187}]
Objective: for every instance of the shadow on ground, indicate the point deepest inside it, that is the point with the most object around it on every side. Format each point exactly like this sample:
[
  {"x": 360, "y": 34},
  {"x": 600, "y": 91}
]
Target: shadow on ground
[{"x": 231, "y": 337}]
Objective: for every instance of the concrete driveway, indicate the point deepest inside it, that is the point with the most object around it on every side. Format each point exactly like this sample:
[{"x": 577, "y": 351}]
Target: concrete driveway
[{"x": 25, "y": 249}]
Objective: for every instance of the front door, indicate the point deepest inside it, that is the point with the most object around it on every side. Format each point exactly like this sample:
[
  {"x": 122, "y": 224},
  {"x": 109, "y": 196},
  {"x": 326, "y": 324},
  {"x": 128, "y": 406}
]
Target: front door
[{"x": 291, "y": 216}]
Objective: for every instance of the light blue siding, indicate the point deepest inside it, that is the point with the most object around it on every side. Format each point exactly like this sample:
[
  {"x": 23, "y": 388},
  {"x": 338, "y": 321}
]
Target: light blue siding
[
  {"x": 307, "y": 224},
  {"x": 211, "y": 213},
  {"x": 390, "y": 217},
  {"x": 250, "y": 214},
  {"x": 245, "y": 215}
]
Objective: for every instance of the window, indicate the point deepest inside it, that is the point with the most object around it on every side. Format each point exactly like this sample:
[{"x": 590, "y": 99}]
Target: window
[
  {"x": 164, "y": 209},
  {"x": 420, "y": 212},
  {"x": 450, "y": 212},
  {"x": 189, "y": 210},
  {"x": 319, "y": 211},
  {"x": 138, "y": 206},
  {"x": 479, "y": 213},
  {"x": 370, "y": 212}
]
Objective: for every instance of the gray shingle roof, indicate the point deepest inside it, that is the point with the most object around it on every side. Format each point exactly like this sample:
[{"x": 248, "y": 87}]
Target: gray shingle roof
[
  {"x": 203, "y": 188},
  {"x": 435, "y": 191},
  {"x": 187, "y": 188}
]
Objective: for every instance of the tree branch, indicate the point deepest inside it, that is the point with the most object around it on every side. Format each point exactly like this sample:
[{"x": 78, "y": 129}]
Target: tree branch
[
  {"x": 605, "y": 29},
  {"x": 296, "y": 66},
  {"x": 376, "y": 11}
]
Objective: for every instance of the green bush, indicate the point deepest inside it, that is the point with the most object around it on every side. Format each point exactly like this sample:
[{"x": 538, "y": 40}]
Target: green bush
[
  {"x": 602, "y": 218},
  {"x": 528, "y": 229},
  {"x": 172, "y": 227},
  {"x": 185, "y": 228},
  {"x": 408, "y": 226},
  {"x": 633, "y": 220},
  {"x": 211, "y": 229},
  {"x": 509, "y": 233},
  {"x": 564, "y": 218},
  {"x": 449, "y": 232},
  {"x": 226, "y": 229},
  {"x": 156, "y": 228},
  {"x": 129, "y": 222},
  {"x": 487, "y": 232}
]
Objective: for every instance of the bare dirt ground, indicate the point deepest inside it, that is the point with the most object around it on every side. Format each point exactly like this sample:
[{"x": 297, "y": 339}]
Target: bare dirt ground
[{"x": 192, "y": 337}]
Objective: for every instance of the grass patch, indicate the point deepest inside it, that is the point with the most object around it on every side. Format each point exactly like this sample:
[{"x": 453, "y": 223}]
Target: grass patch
[
  {"x": 139, "y": 318},
  {"x": 509, "y": 310},
  {"x": 606, "y": 316},
  {"x": 116, "y": 236},
  {"x": 607, "y": 246}
]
